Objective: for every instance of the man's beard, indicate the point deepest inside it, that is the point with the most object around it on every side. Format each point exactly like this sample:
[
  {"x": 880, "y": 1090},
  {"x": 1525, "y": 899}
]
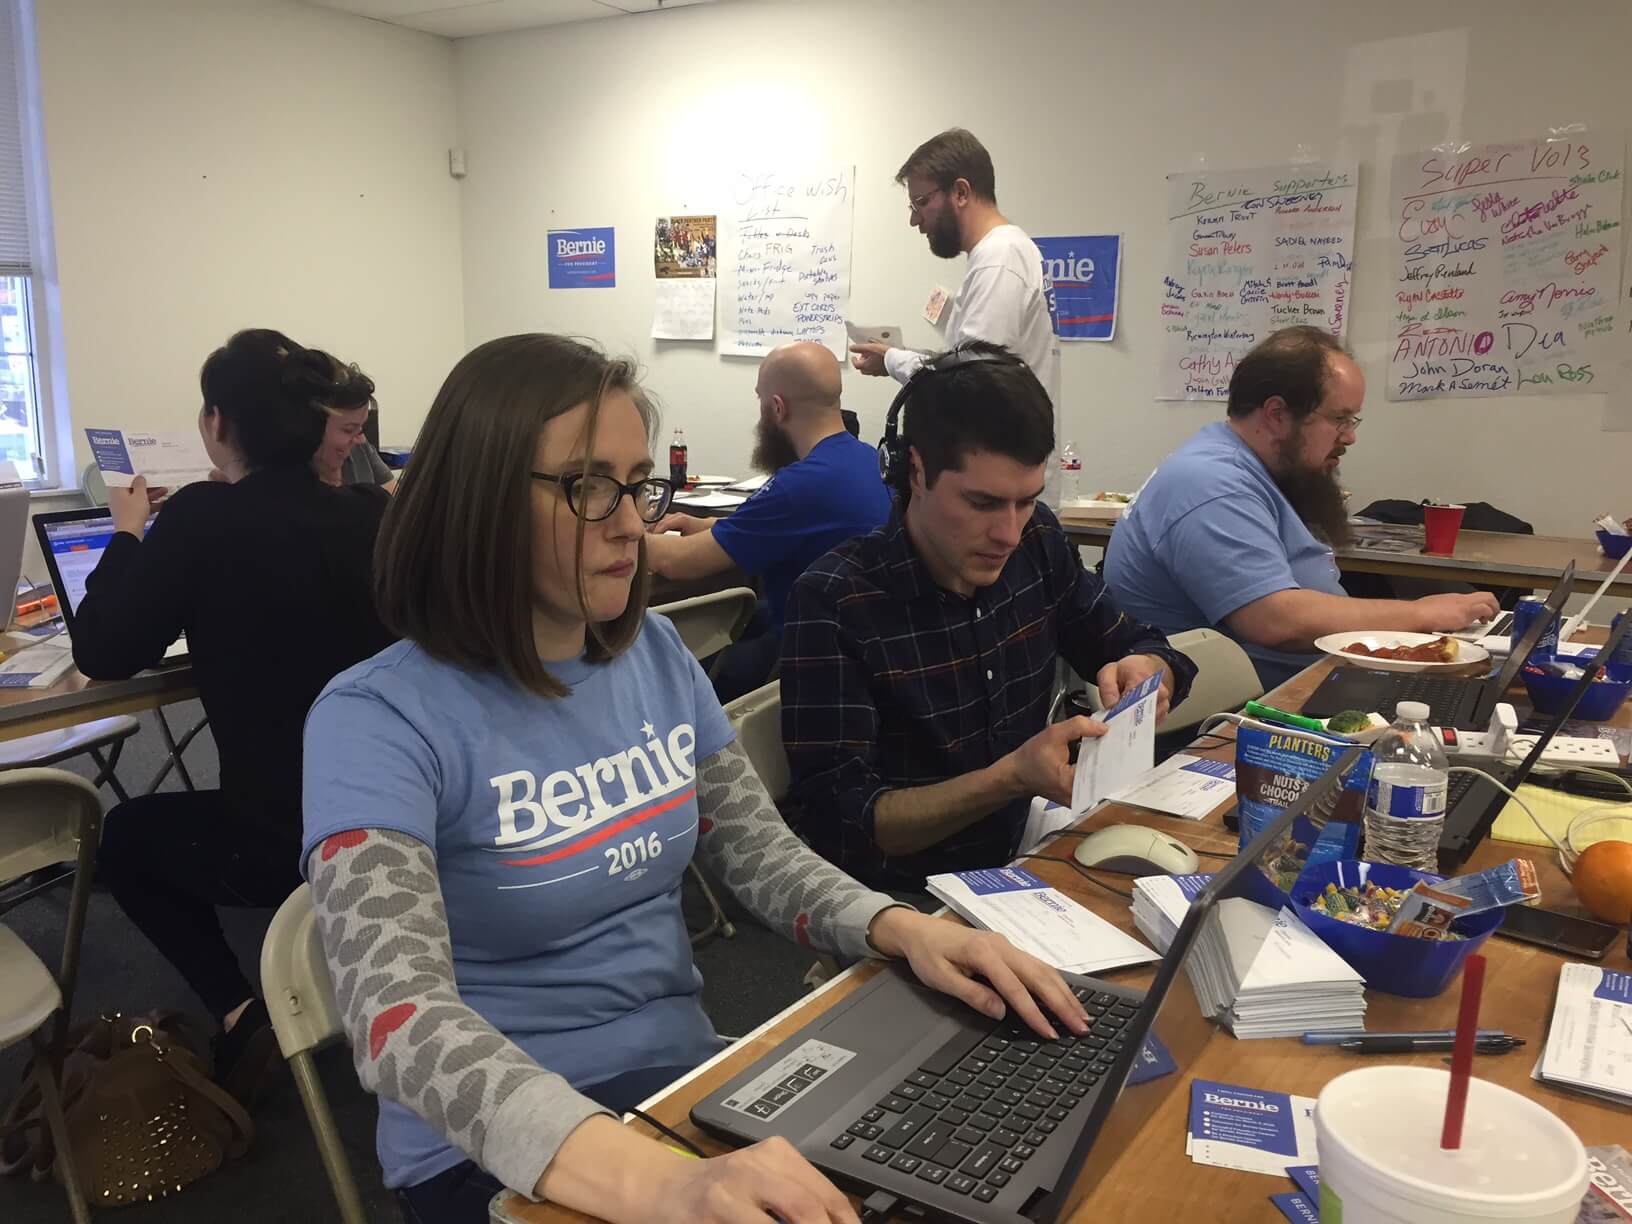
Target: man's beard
[
  {"x": 773, "y": 449},
  {"x": 1315, "y": 495},
  {"x": 944, "y": 239}
]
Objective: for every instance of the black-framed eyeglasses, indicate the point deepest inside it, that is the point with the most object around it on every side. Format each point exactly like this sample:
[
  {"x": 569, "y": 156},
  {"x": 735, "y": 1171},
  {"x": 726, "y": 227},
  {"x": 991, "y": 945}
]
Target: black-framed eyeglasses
[
  {"x": 594, "y": 496},
  {"x": 916, "y": 203}
]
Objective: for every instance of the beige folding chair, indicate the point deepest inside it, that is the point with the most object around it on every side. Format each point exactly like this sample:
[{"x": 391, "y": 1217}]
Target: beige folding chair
[
  {"x": 300, "y": 1000},
  {"x": 757, "y": 717},
  {"x": 47, "y": 817},
  {"x": 707, "y": 624},
  {"x": 1225, "y": 678}
]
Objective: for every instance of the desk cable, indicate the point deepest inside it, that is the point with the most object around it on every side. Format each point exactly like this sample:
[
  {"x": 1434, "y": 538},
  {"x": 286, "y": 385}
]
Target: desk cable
[
  {"x": 1566, "y": 855},
  {"x": 673, "y": 1136}
]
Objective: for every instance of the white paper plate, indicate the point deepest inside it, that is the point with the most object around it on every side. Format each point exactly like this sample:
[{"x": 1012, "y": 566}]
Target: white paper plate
[
  {"x": 1334, "y": 643},
  {"x": 710, "y": 480}
]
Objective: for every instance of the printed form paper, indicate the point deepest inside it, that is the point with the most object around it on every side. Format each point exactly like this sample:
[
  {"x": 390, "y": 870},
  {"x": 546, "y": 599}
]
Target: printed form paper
[
  {"x": 1124, "y": 753},
  {"x": 167, "y": 460}
]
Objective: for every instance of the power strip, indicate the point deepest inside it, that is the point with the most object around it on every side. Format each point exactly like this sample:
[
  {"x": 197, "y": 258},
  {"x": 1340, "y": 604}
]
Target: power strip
[{"x": 1564, "y": 749}]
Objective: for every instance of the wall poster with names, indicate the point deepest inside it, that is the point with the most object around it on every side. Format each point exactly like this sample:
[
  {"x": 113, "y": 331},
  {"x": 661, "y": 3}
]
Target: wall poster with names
[
  {"x": 1250, "y": 252},
  {"x": 785, "y": 259},
  {"x": 1507, "y": 268}
]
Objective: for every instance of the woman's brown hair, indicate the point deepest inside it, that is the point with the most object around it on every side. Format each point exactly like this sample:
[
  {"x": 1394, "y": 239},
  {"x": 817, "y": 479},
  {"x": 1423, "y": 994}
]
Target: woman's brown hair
[{"x": 454, "y": 563}]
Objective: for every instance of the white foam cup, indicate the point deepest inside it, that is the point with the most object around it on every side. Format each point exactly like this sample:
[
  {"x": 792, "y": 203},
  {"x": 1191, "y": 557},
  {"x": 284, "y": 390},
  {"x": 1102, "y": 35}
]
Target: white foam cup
[{"x": 1378, "y": 1130}]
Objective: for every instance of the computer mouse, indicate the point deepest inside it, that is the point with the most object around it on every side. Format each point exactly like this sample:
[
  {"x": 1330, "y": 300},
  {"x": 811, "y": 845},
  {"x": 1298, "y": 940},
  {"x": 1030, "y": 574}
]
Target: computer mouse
[{"x": 1136, "y": 850}]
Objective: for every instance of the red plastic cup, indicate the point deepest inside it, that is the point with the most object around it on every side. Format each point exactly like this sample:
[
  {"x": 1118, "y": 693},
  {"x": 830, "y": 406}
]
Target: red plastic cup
[{"x": 1440, "y": 525}]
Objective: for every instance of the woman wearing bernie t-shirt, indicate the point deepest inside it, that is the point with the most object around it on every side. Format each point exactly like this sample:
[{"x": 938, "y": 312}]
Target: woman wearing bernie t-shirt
[{"x": 499, "y": 810}]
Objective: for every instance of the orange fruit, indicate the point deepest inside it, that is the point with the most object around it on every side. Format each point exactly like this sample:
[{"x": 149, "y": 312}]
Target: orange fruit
[{"x": 1603, "y": 880}]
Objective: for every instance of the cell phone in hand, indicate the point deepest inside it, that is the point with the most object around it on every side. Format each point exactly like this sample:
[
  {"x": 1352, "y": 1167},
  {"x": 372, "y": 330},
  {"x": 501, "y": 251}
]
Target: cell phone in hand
[{"x": 1561, "y": 932}]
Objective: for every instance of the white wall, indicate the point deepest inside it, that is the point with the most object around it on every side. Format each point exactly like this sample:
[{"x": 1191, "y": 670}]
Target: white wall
[
  {"x": 1086, "y": 106},
  {"x": 218, "y": 164}
]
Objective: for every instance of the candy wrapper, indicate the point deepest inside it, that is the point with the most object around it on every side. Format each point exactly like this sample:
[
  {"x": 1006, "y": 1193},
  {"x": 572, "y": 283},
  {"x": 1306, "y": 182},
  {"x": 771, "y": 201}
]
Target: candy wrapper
[
  {"x": 1429, "y": 909},
  {"x": 1272, "y": 770}
]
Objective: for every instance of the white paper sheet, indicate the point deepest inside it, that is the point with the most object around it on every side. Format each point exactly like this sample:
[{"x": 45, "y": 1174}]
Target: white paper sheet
[
  {"x": 1124, "y": 753},
  {"x": 1038, "y": 919},
  {"x": 167, "y": 459},
  {"x": 1183, "y": 785},
  {"x": 1250, "y": 252},
  {"x": 785, "y": 259},
  {"x": 684, "y": 309},
  {"x": 1506, "y": 269},
  {"x": 859, "y": 334}
]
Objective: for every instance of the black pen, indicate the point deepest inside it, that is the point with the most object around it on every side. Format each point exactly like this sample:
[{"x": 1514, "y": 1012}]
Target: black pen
[{"x": 1423, "y": 1045}]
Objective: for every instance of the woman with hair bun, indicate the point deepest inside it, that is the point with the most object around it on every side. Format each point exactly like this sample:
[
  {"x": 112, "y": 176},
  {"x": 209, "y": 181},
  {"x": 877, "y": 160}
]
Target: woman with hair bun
[{"x": 267, "y": 572}]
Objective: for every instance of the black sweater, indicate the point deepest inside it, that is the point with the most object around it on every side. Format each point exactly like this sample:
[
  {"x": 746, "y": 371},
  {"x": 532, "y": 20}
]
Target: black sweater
[{"x": 270, "y": 579}]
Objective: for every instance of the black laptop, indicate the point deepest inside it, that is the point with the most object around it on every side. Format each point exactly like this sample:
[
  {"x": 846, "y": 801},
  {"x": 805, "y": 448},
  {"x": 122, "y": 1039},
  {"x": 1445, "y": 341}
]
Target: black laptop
[
  {"x": 1463, "y": 702},
  {"x": 1472, "y": 804},
  {"x": 72, "y": 542},
  {"x": 902, "y": 1090}
]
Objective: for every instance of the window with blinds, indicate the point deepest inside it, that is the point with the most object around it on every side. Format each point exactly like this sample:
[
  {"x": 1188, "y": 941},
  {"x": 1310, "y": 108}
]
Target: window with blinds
[{"x": 21, "y": 427}]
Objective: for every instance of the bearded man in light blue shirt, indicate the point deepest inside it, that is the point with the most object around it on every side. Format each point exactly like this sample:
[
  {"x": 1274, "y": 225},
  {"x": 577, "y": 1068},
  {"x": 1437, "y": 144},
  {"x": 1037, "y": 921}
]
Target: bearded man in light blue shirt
[{"x": 1236, "y": 528}]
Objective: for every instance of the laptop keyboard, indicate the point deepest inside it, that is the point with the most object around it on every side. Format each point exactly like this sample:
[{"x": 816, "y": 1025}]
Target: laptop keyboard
[{"x": 979, "y": 1107}]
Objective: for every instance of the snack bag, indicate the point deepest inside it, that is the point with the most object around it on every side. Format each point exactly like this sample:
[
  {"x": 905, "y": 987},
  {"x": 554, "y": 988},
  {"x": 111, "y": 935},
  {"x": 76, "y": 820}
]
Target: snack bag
[
  {"x": 1429, "y": 909},
  {"x": 1272, "y": 770}
]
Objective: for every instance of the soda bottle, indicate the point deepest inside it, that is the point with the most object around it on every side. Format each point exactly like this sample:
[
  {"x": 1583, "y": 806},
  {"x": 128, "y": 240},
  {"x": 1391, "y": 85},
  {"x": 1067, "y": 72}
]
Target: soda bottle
[{"x": 677, "y": 459}]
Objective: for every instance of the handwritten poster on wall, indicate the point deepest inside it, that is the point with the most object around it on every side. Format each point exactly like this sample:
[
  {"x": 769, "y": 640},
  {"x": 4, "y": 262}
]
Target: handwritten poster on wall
[
  {"x": 1084, "y": 274},
  {"x": 1507, "y": 268},
  {"x": 785, "y": 259},
  {"x": 1250, "y": 252}
]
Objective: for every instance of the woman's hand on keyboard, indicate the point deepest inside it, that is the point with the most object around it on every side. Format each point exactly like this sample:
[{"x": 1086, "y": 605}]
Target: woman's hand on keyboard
[{"x": 985, "y": 970}]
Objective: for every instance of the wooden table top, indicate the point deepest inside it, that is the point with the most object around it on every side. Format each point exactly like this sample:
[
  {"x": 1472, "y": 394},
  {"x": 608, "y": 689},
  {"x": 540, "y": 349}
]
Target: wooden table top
[
  {"x": 1519, "y": 987},
  {"x": 1484, "y": 558},
  {"x": 73, "y": 699}
]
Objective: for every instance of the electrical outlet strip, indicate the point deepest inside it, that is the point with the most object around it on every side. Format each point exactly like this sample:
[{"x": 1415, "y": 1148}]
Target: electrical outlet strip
[{"x": 1564, "y": 750}]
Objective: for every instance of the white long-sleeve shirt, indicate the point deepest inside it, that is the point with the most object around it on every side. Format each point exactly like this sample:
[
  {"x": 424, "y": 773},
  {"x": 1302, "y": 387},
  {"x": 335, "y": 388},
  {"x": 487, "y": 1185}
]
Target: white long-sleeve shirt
[{"x": 1004, "y": 300}]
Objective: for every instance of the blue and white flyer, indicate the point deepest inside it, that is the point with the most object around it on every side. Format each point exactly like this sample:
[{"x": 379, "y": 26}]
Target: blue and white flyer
[
  {"x": 167, "y": 459},
  {"x": 1249, "y": 1129},
  {"x": 1038, "y": 919}
]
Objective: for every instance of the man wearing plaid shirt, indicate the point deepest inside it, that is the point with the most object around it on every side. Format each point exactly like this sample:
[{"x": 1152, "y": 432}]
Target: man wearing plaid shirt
[{"x": 918, "y": 661}]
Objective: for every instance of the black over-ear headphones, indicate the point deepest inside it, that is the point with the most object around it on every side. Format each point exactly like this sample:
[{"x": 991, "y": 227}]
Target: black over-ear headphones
[{"x": 892, "y": 448}]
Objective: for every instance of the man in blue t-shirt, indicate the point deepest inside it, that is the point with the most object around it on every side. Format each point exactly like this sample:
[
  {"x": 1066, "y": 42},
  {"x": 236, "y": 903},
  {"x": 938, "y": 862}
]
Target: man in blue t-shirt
[
  {"x": 1235, "y": 529},
  {"x": 824, "y": 489}
]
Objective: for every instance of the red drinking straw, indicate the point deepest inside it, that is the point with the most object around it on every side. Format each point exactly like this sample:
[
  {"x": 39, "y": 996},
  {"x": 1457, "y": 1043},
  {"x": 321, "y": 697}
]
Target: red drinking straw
[{"x": 1467, "y": 1033}]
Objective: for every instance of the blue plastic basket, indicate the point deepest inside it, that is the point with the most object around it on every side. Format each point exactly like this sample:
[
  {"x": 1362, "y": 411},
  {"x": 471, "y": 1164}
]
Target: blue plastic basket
[
  {"x": 1394, "y": 964},
  {"x": 1549, "y": 692},
  {"x": 1615, "y": 546}
]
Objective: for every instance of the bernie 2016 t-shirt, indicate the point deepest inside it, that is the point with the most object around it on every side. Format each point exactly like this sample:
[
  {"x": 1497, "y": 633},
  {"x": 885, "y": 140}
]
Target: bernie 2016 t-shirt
[
  {"x": 808, "y": 508},
  {"x": 561, "y": 827}
]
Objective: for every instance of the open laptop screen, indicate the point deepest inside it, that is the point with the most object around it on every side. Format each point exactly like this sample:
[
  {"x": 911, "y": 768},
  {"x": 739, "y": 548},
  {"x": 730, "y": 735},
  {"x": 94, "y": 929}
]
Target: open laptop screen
[
  {"x": 1175, "y": 1031},
  {"x": 73, "y": 543}
]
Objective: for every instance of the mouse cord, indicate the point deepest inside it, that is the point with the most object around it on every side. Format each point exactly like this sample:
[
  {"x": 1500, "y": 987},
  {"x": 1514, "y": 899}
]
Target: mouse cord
[{"x": 1081, "y": 870}]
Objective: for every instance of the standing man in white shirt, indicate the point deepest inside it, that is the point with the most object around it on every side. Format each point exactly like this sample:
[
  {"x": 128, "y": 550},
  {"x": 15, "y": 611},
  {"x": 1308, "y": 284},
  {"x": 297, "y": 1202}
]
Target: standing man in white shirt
[{"x": 1004, "y": 297}]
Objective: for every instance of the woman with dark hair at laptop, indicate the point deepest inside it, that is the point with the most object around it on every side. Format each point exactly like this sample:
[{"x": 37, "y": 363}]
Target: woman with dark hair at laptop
[
  {"x": 501, "y": 807},
  {"x": 267, "y": 573}
]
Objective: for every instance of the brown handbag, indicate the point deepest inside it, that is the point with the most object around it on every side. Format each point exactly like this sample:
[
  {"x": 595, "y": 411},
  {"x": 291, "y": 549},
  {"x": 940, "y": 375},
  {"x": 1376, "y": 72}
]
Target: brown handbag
[{"x": 143, "y": 1118}]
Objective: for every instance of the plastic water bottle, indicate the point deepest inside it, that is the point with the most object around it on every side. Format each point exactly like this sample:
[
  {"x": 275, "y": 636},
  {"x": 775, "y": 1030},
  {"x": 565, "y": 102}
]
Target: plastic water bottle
[
  {"x": 1405, "y": 805},
  {"x": 1070, "y": 475}
]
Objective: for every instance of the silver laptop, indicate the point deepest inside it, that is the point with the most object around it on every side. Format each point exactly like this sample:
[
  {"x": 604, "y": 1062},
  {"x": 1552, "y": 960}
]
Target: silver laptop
[
  {"x": 901, "y": 1090},
  {"x": 13, "y": 537}
]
